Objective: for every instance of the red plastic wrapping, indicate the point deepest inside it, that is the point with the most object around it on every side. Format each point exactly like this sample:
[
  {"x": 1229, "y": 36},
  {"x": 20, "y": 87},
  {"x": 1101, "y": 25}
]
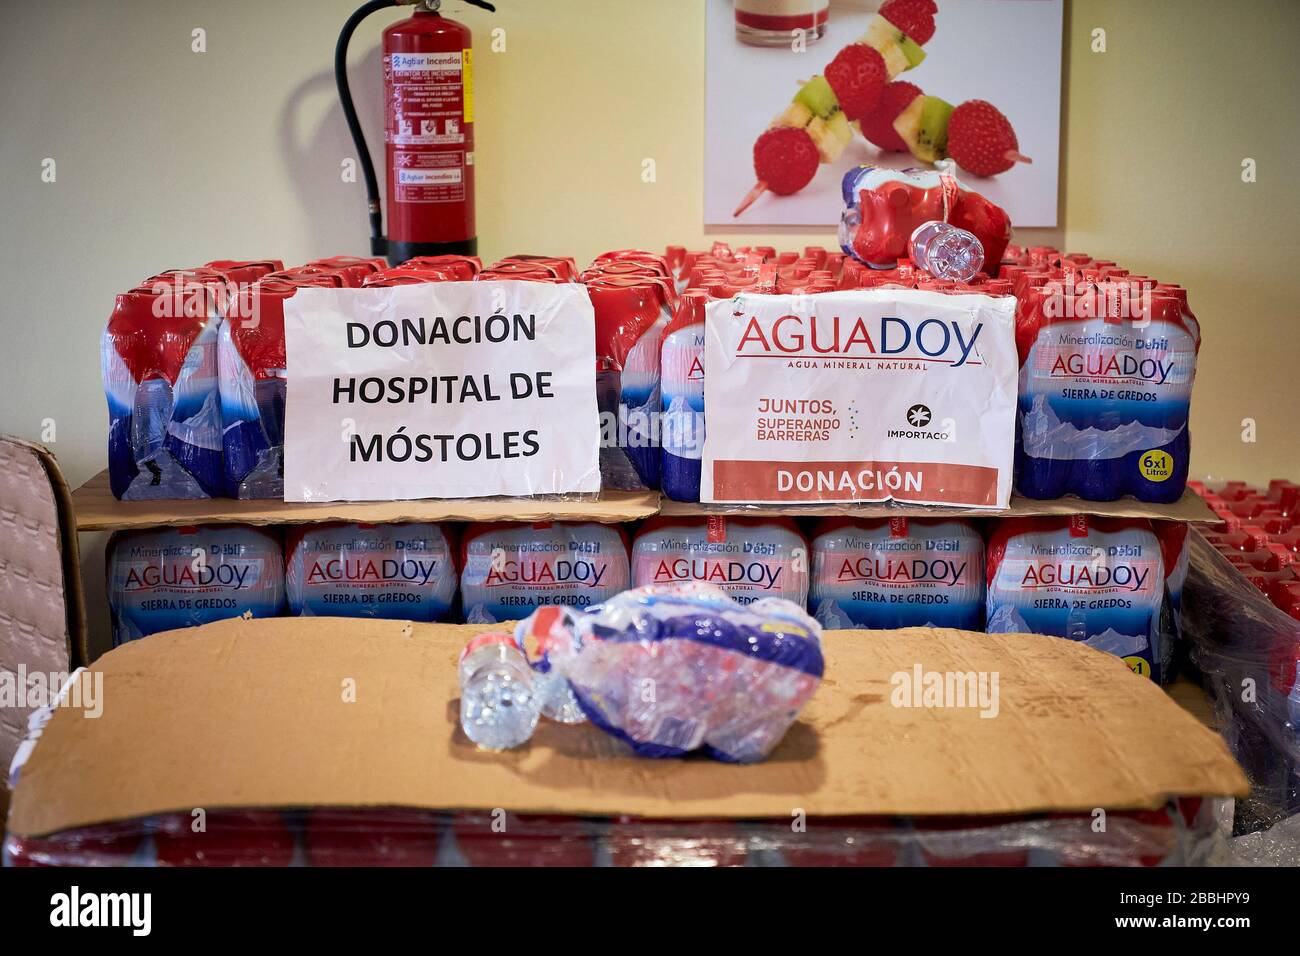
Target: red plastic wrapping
[{"x": 1175, "y": 835}]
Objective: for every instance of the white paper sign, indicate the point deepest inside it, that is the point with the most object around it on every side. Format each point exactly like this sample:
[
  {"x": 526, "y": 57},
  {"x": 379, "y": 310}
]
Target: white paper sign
[
  {"x": 440, "y": 390},
  {"x": 872, "y": 395}
]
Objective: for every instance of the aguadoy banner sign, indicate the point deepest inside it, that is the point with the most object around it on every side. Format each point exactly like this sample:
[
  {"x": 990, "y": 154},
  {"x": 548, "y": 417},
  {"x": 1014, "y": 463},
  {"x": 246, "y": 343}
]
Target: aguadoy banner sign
[{"x": 870, "y": 395}]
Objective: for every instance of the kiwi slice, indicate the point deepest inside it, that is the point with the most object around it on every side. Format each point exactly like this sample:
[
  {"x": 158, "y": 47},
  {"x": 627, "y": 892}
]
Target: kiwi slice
[
  {"x": 911, "y": 50},
  {"x": 923, "y": 125},
  {"x": 840, "y": 128},
  {"x": 892, "y": 44},
  {"x": 818, "y": 96}
]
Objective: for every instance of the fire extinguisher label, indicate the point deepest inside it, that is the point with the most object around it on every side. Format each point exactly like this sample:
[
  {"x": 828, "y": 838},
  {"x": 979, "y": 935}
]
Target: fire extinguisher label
[
  {"x": 425, "y": 62},
  {"x": 427, "y": 114},
  {"x": 467, "y": 69},
  {"x": 428, "y": 177}
]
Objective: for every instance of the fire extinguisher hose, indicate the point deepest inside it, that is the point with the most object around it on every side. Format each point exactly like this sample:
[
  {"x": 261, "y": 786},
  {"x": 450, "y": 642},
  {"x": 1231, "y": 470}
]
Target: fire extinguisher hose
[{"x": 378, "y": 244}]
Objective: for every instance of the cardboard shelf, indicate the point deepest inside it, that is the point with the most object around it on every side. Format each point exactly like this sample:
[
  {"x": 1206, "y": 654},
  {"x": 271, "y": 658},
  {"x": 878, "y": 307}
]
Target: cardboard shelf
[
  {"x": 97, "y": 510},
  {"x": 1190, "y": 508},
  {"x": 246, "y": 713}
]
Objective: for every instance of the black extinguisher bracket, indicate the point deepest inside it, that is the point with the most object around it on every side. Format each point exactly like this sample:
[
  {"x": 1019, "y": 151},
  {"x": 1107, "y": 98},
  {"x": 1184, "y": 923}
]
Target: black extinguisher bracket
[{"x": 379, "y": 243}]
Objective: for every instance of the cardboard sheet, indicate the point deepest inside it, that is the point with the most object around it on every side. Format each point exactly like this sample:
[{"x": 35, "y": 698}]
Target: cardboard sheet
[
  {"x": 1191, "y": 507},
  {"x": 1191, "y": 697},
  {"x": 254, "y": 713},
  {"x": 98, "y": 510}
]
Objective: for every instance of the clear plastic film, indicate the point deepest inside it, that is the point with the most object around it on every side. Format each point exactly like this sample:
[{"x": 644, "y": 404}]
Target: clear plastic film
[
  {"x": 159, "y": 363},
  {"x": 1249, "y": 652},
  {"x": 883, "y": 208},
  {"x": 670, "y": 669},
  {"x": 633, "y": 295},
  {"x": 1178, "y": 834}
]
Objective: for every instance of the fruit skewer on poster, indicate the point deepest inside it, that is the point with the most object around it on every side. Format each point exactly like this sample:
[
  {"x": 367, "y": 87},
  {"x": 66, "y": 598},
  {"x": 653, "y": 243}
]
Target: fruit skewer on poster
[{"x": 859, "y": 90}]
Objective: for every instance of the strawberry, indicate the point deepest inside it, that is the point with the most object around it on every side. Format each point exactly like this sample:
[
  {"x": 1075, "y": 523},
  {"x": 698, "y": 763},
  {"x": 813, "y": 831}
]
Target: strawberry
[
  {"x": 785, "y": 159},
  {"x": 857, "y": 76},
  {"x": 981, "y": 139},
  {"x": 913, "y": 17},
  {"x": 878, "y": 125}
]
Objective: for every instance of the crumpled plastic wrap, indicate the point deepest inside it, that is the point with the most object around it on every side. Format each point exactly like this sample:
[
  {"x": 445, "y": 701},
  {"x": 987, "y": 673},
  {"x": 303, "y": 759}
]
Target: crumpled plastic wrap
[
  {"x": 1249, "y": 652},
  {"x": 1182, "y": 834},
  {"x": 883, "y": 208},
  {"x": 675, "y": 668}
]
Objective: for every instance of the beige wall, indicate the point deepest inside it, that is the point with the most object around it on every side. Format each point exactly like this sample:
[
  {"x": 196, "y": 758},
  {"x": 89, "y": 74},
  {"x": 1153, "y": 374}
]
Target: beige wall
[{"x": 1158, "y": 127}]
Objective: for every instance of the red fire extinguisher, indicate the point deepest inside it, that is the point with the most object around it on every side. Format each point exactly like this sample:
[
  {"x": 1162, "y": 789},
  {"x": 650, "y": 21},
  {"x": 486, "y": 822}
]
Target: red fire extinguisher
[{"x": 428, "y": 132}]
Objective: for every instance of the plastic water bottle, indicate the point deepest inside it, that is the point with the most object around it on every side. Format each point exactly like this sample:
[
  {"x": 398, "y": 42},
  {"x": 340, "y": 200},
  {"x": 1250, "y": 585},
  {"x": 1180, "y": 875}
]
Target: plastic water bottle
[
  {"x": 1104, "y": 393},
  {"x": 545, "y": 630},
  {"x": 1099, "y": 581},
  {"x": 682, "y": 397},
  {"x": 270, "y": 406},
  {"x": 945, "y": 251},
  {"x": 850, "y": 220},
  {"x": 749, "y": 558},
  {"x": 499, "y": 706},
  {"x": 639, "y": 402},
  {"x": 616, "y": 470},
  {"x": 164, "y": 578},
  {"x": 149, "y": 417},
  {"x": 898, "y": 572},
  {"x": 160, "y": 380},
  {"x": 160, "y": 476},
  {"x": 252, "y": 380}
]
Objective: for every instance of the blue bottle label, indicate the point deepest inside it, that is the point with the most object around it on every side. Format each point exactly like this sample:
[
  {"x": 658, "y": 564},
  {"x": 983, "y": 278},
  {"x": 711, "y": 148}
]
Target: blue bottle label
[
  {"x": 749, "y": 562},
  {"x": 511, "y": 571},
  {"x": 1104, "y": 589},
  {"x": 1092, "y": 389},
  {"x": 401, "y": 571},
  {"x": 171, "y": 577},
  {"x": 682, "y": 390},
  {"x": 870, "y": 576}
]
